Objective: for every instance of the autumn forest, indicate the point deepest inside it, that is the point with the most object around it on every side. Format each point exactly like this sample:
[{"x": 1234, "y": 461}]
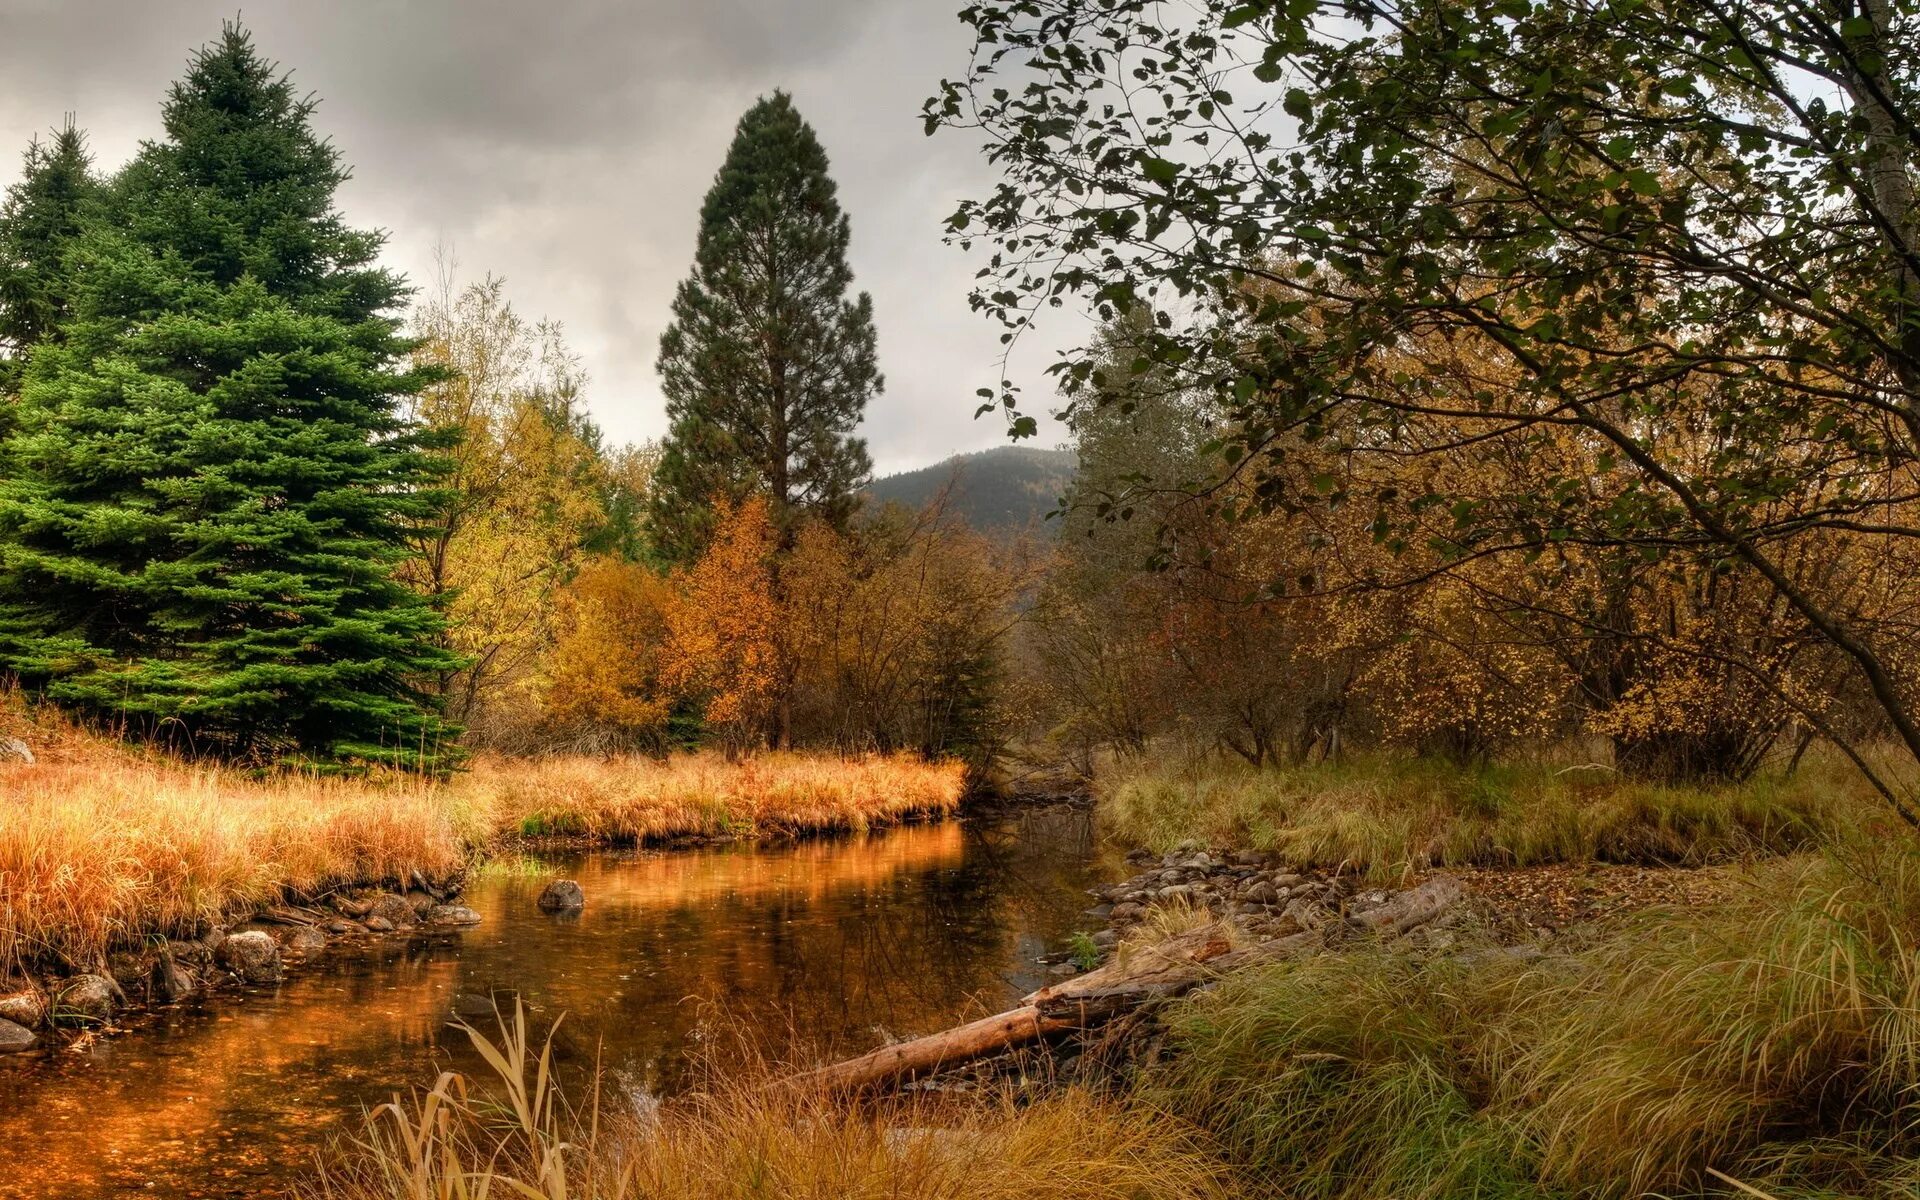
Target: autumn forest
[{"x": 1450, "y": 726}]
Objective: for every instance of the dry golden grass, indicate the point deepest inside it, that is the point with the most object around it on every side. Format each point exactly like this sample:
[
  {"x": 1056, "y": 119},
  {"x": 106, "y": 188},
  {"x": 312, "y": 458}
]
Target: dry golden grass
[
  {"x": 1774, "y": 1037},
  {"x": 750, "y": 1136},
  {"x": 641, "y": 799},
  {"x": 101, "y": 846},
  {"x": 108, "y": 849},
  {"x": 1384, "y": 814}
]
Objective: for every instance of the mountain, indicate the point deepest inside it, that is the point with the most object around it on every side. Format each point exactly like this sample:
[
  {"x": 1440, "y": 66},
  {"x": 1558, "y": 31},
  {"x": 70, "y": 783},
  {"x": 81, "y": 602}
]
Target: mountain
[{"x": 1002, "y": 490}]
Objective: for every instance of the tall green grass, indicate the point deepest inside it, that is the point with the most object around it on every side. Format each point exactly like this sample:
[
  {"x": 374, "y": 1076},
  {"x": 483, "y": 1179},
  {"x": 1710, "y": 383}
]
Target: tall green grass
[
  {"x": 1384, "y": 813},
  {"x": 1775, "y": 1038}
]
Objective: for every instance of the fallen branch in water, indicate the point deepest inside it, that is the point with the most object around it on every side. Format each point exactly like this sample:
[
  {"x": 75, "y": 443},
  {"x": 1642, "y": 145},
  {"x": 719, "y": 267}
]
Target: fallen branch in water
[{"x": 1180, "y": 964}]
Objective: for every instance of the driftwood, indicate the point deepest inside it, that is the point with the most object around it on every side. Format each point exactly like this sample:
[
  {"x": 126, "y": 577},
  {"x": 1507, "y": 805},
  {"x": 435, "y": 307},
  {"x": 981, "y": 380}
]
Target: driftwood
[{"x": 1179, "y": 964}]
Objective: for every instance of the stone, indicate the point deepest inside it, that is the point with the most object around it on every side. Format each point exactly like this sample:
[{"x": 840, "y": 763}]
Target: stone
[
  {"x": 395, "y": 910},
  {"x": 423, "y": 902},
  {"x": 130, "y": 971},
  {"x": 15, "y": 1037},
  {"x": 85, "y": 999},
  {"x": 26, "y": 1007},
  {"x": 1063, "y": 970},
  {"x": 303, "y": 940},
  {"x": 340, "y": 927},
  {"x": 194, "y": 953},
  {"x": 562, "y": 895},
  {"x": 1262, "y": 892},
  {"x": 379, "y": 925},
  {"x": 252, "y": 956},
  {"x": 452, "y": 914},
  {"x": 14, "y": 750},
  {"x": 171, "y": 982}
]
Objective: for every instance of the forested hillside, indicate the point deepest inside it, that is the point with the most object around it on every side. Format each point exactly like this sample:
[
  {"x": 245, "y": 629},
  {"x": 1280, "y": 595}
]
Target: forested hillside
[{"x": 1003, "y": 489}]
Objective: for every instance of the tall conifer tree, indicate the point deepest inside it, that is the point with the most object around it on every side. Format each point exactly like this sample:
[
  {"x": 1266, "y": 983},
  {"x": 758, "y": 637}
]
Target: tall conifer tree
[
  {"x": 38, "y": 223},
  {"x": 767, "y": 366},
  {"x": 211, "y": 481}
]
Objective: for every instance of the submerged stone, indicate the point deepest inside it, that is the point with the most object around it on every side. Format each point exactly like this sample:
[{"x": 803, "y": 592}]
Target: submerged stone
[{"x": 563, "y": 895}]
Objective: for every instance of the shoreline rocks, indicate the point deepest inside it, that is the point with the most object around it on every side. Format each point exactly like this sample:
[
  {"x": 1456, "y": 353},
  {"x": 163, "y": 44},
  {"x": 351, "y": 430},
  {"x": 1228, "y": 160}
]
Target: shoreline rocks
[
  {"x": 252, "y": 957},
  {"x": 199, "y": 962},
  {"x": 15, "y": 1037}
]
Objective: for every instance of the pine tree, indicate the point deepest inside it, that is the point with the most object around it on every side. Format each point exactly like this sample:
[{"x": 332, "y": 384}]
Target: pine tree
[
  {"x": 38, "y": 222},
  {"x": 767, "y": 366},
  {"x": 211, "y": 484}
]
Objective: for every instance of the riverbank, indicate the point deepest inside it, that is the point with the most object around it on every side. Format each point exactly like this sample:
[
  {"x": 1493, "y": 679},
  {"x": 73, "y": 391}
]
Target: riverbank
[
  {"x": 108, "y": 852},
  {"x": 1673, "y": 1030}
]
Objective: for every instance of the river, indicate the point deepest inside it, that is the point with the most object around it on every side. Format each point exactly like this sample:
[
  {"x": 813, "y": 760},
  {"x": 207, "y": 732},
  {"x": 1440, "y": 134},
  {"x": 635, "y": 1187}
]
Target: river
[{"x": 844, "y": 939}]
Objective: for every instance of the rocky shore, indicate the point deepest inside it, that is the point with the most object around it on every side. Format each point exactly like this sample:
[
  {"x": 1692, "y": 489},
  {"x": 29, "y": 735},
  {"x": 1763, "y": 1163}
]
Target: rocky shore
[
  {"x": 256, "y": 950},
  {"x": 1263, "y": 899}
]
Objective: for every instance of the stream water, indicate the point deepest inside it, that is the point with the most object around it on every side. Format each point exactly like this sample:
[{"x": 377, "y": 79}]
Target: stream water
[{"x": 840, "y": 939}]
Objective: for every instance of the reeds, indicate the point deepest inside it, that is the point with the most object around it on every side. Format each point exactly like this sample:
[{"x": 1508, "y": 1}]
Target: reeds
[
  {"x": 750, "y": 1135},
  {"x": 102, "y": 847},
  {"x": 637, "y": 799},
  {"x": 1775, "y": 1038},
  {"x": 1385, "y": 815},
  {"x": 109, "y": 849}
]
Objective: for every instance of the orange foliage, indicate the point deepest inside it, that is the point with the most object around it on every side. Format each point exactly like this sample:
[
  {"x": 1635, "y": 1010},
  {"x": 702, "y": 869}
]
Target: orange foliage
[{"x": 721, "y": 642}]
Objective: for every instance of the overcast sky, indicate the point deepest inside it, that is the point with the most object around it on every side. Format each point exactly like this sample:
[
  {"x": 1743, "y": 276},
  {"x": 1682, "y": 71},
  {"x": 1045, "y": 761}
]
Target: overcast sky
[{"x": 566, "y": 144}]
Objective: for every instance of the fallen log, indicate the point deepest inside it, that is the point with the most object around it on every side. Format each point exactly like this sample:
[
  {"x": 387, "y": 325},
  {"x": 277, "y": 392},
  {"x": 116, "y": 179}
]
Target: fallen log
[{"x": 1196, "y": 958}]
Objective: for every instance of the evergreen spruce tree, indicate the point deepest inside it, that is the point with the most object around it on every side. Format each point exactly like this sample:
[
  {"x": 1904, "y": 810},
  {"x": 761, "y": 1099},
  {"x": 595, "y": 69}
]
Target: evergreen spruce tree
[
  {"x": 211, "y": 481},
  {"x": 767, "y": 366},
  {"x": 38, "y": 223}
]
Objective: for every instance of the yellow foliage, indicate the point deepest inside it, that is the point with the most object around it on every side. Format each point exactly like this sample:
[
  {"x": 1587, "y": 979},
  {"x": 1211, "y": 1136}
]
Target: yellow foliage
[{"x": 611, "y": 623}]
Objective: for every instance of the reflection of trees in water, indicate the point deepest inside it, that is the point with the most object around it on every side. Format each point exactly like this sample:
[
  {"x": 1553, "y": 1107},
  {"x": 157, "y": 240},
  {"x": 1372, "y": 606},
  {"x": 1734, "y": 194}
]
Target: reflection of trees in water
[
  {"x": 906, "y": 932},
  {"x": 905, "y": 952}
]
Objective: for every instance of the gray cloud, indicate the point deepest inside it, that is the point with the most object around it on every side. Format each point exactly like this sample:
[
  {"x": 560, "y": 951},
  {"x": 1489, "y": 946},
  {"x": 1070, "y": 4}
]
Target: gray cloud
[{"x": 566, "y": 144}]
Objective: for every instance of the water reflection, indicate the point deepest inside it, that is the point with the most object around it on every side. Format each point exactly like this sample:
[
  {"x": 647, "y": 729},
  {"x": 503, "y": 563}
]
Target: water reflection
[{"x": 901, "y": 932}]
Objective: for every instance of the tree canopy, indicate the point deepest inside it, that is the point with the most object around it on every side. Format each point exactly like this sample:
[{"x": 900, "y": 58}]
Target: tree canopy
[
  {"x": 1679, "y": 234},
  {"x": 768, "y": 365},
  {"x": 211, "y": 481}
]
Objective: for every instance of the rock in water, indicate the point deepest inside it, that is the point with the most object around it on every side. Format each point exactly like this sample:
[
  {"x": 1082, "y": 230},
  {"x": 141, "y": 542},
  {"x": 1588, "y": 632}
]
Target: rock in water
[
  {"x": 379, "y": 925},
  {"x": 452, "y": 914},
  {"x": 85, "y": 998},
  {"x": 250, "y": 955},
  {"x": 562, "y": 895},
  {"x": 14, "y": 1037},
  {"x": 395, "y": 910},
  {"x": 171, "y": 982},
  {"x": 304, "y": 940},
  {"x": 15, "y": 750}
]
